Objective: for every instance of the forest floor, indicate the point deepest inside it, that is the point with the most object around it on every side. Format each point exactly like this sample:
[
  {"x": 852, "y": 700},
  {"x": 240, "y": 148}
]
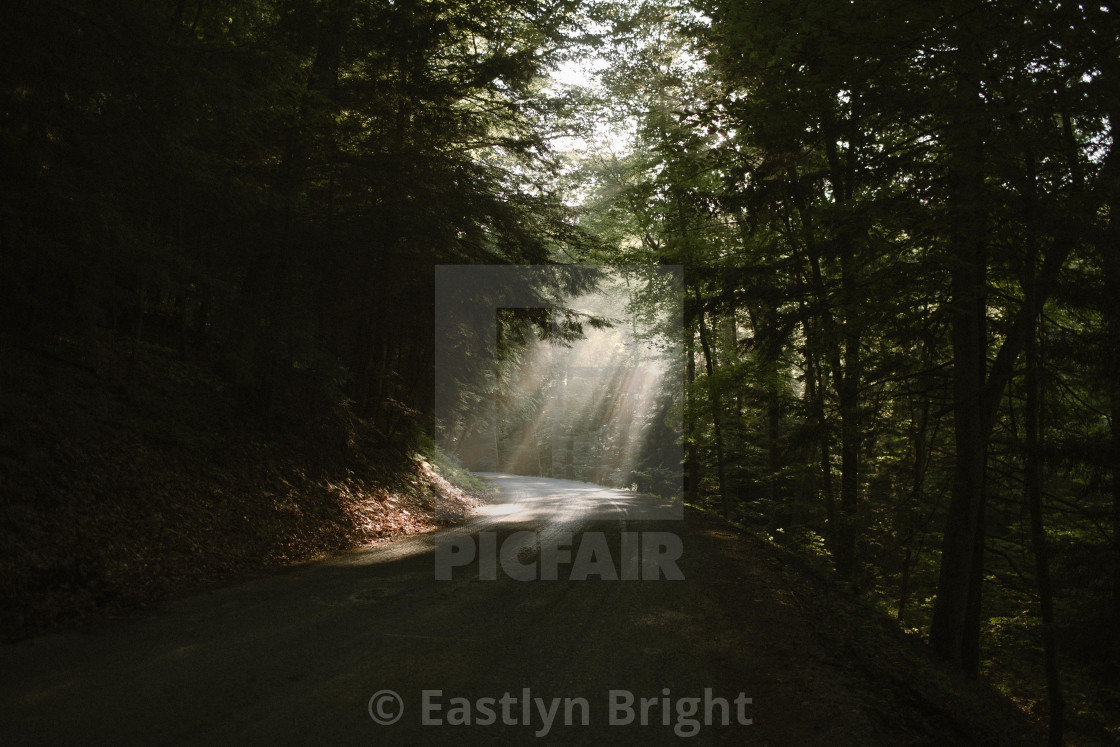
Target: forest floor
[
  {"x": 840, "y": 666},
  {"x": 115, "y": 498}
]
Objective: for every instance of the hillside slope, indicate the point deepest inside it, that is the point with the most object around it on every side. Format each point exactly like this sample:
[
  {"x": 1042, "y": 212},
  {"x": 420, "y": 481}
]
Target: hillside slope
[{"x": 114, "y": 496}]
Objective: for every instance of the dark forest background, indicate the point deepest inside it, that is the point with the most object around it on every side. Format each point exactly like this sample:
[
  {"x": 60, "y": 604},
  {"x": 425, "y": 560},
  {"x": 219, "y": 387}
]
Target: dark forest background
[{"x": 898, "y": 226}]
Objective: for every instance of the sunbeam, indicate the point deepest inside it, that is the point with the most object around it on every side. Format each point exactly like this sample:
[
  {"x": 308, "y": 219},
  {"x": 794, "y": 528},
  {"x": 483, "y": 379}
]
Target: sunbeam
[{"x": 586, "y": 415}]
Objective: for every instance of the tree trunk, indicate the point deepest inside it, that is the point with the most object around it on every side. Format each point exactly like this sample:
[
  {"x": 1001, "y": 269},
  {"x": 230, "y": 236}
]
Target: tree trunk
[
  {"x": 847, "y": 375},
  {"x": 773, "y": 434},
  {"x": 904, "y": 586},
  {"x": 692, "y": 460},
  {"x": 717, "y": 408},
  {"x": 1109, "y": 250},
  {"x": 850, "y": 439},
  {"x": 1112, "y": 280},
  {"x": 814, "y": 392},
  {"x": 954, "y": 633},
  {"x": 1033, "y": 484},
  {"x": 844, "y": 360},
  {"x": 918, "y": 435}
]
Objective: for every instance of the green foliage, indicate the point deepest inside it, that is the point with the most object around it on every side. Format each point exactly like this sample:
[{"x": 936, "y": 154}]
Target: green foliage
[
  {"x": 877, "y": 207},
  {"x": 273, "y": 181},
  {"x": 449, "y": 466},
  {"x": 823, "y": 173}
]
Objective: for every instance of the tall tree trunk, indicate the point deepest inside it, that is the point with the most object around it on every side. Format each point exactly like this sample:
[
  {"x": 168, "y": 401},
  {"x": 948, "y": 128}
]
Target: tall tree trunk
[
  {"x": 850, "y": 440},
  {"x": 1109, "y": 250},
  {"x": 842, "y": 352},
  {"x": 918, "y": 435},
  {"x": 773, "y": 435},
  {"x": 814, "y": 392},
  {"x": 1112, "y": 280},
  {"x": 692, "y": 459},
  {"x": 848, "y": 374},
  {"x": 717, "y": 406},
  {"x": 844, "y": 361},
  {"x": 954, "y": 632},
  {"x": 904, "y": 586},
  {"x": 268, "y": 273},
  {"x": 977, "y": 391},
  {"x": 765, "y": 327},
  {"x": 1033, "y": 484}
]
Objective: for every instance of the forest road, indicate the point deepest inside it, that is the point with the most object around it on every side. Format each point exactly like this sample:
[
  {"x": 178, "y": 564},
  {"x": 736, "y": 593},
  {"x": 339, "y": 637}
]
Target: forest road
[{"x": 298, "y": 657}]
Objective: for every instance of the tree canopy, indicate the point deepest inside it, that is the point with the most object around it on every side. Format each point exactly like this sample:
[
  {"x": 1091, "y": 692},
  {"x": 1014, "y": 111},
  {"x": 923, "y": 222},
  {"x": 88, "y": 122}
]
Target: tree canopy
[{"x": 898, "y": 227}]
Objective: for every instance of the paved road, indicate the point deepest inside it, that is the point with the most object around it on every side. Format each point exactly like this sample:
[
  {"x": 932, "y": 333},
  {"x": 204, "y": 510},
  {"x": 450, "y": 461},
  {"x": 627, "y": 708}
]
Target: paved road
[{"x": 296, "y": 657}]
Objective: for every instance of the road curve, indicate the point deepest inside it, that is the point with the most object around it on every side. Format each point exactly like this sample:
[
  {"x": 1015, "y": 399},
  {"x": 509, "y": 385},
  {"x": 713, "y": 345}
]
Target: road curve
[
  {"x": 372, "y": 647},
  {"x": 297, "y": 657}
]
